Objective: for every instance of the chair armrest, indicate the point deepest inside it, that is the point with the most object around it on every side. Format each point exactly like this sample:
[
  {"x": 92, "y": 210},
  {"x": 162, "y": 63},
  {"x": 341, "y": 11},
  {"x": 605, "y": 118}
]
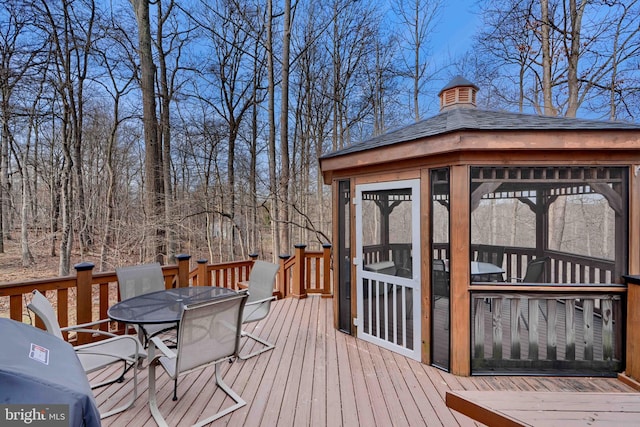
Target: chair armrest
[
  {"x": 86, "y": 328},
  {"x": 97, "y": 348},
  {"x": 253, "y": 306},
  {"x": 260, "y": 301},
  {"x": 86, "y": 325},
  {"x": 165, "y": 351}
]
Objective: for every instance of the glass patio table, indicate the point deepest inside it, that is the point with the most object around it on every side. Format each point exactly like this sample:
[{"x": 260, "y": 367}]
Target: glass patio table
[
  {"x": 163, "y": 306},
  {"x": 482, "y": 271},
  {"x": 481, "y": 268}
]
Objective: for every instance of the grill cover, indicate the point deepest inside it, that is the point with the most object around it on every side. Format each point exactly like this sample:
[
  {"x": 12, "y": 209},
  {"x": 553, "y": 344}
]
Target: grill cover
[{"x": 37, "y": 368}]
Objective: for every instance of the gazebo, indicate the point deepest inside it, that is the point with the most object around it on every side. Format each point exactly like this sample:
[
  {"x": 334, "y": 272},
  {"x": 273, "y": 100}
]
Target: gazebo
[{"x": 488, "y": 241}]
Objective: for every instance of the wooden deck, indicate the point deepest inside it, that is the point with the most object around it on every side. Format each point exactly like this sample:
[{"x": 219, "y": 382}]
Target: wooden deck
[
  {"x": 561, "y": 409},
  {"x": 318, "y": 376}
]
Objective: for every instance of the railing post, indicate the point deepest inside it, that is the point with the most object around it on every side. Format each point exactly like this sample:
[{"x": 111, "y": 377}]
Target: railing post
[
  {"x": 299, "y": 288},
  {"x": 203, "y": 275},
  {"x": 254, "y": 258},
  {"x": 283, "y": 286},
  {"x": 326, "y": 270},
  {"x": 183, "y": 270},
  {"x": 84, "y": 303},
  {"x": 631, "y": 375}
]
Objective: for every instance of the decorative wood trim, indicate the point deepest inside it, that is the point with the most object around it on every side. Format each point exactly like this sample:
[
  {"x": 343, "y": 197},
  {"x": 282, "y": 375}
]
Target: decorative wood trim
[
  {"x": 386, "y": 177},
  {"x": 425, "y": 271},
  {"x": 634, "y": 220},
  {"x": 352, "y": 233},
  {"x": 633, "y": 332},
  {"x": 499, "y": 288},
  {"x": 335, "y": 199},
  {"x": 492, "y": 147},
  {"x": 460, "y": 351}
]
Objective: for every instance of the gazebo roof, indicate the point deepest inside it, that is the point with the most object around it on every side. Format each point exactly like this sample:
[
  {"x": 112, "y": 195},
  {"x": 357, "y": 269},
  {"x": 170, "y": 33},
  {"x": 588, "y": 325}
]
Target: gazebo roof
[
  {"x": 476, "y": 119},
  {"x": 458, "y": 81}
]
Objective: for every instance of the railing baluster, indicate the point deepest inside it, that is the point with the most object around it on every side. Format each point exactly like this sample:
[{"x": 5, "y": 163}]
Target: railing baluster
[
  {"x": 515, "y": 327},
  {"x": 587, "y": 319},
  {"x": 478, "y": 324},
  {"x": 497, "y": 327},
  {"x": 533, "y": 328},
  {"x": 552, "y": 324},
  {"x": 607, "y": 329},
  {"x": 570, "y": 329}
]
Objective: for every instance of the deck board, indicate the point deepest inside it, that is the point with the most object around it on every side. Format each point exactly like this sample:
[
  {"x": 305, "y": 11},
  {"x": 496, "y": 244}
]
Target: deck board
[
  {"x": 319, "y": 376},
  {"x": 547, "y": 408}
]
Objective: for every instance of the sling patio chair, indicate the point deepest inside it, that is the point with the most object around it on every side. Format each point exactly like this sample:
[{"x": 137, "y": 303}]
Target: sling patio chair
[
  {"x": 136, "y": 280},
  {"x": 535, "y": 270},
  {"x": 440, "y": 279},
  {"x": 97, "y": 355},
  {"x": 492, "y": 254},
  {"x": 261, "y": 281},
  {"x": 208, "y": 334}
]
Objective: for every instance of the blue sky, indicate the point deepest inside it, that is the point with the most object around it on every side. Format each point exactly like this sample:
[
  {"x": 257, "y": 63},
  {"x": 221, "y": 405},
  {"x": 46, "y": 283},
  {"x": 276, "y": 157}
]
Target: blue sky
[{"x": 456, "y": 28}]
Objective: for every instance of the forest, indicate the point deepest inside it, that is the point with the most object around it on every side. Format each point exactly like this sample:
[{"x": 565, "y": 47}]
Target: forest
[{"x": 137, "y": 130}]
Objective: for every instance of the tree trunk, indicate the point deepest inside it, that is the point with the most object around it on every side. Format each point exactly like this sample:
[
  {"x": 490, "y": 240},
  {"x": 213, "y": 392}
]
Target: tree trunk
[
  {"x": 153, "y": 191},
  {"x": 573, "y": 56},
  {"x": 66, "y": 232},
  {"x": 549, "y": 109},
  {"x": 284, "y": 133},
  {"x": 273, "y": 173},
  {"x": 165, "y": 133}
]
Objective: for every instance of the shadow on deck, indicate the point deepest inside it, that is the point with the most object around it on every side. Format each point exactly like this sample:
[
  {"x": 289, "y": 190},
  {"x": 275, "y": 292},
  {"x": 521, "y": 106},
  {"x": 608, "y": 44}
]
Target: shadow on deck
[{"x": 318, "y": 376}]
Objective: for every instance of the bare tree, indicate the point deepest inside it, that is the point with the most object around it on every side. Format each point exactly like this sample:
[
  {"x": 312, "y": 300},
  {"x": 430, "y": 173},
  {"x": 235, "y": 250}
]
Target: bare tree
[
  {"x": 508, "y": 38},
  {"x": 117, "y": 83},
  {"x": 418, "y": 19},
  {"x": 169, "y": 46},
  {"x": 71, "y": 32},
  {"x": 271, "y": 95},
  {"x": 572, "y": 54},
  {"x": 228, "y": 28},
  {"x": 17, "y": 59},
  {"x": 154, "y": 191}
]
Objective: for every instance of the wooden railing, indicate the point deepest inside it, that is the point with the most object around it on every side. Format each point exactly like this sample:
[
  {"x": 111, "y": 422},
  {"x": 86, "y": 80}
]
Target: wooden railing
[
  {"x": 87, "y": 296},
  {"x": 562, "y": 267},
  {"x": 529, "y": 328},
  {"x": 399, "y": 253},
  {"x": 306, "y": 272}
]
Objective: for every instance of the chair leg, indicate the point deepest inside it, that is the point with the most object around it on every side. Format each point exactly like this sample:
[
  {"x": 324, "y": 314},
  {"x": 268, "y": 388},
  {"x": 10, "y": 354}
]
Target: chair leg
[
  {"x": 267, "y": 344},
  {"x": 239, "y": 402},
  {"x": 157, "y": 415},
  {"x": 133, "y": 398},
  {"x": 112, "y": 380},
  {"x": 153, "y": 403},
  {"x": 175, "y": 389}
]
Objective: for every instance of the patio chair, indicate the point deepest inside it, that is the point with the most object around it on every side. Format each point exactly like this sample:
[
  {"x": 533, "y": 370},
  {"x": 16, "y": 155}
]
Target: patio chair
[
  {"x": 97, "y": 355},
  {"x": 440, "y": 279},
  {"x": 535, "y": 269},
  {"x": 136, "y": 280},
  {"x": 209, "y": 334},
  {"x": 261, "y": 281}
]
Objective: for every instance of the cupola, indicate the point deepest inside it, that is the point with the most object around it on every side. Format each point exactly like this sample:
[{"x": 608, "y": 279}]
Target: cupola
[{"x": 459, "y": 93}]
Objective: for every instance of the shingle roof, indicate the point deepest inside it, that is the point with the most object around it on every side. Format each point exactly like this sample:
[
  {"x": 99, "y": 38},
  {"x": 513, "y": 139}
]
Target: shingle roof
[
  {"x": 458, "y": 81},
  {"x": 475, "y": 119}
]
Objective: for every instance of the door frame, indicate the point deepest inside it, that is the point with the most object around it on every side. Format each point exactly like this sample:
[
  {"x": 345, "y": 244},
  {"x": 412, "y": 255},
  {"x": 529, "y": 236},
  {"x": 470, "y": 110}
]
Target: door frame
[{"x": 413, "y": 283}]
